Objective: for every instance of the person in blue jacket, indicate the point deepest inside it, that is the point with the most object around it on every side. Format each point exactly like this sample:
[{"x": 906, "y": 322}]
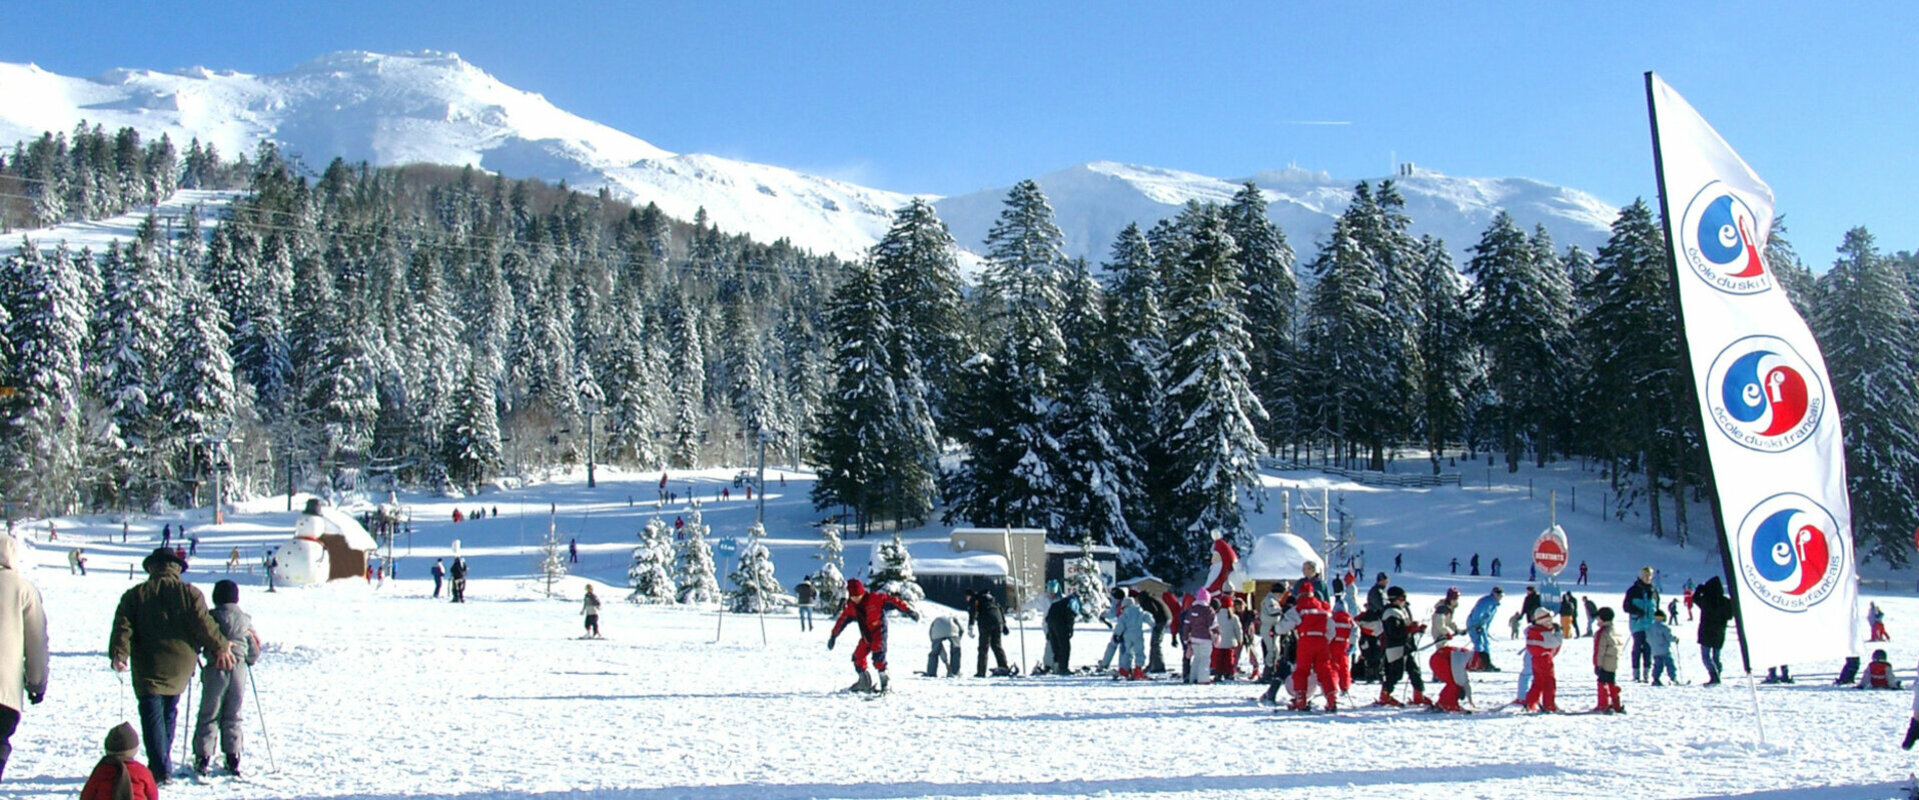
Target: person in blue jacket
[
  {"x": 1642, "y": 599},
  {"x": 1477, "y": 624}
]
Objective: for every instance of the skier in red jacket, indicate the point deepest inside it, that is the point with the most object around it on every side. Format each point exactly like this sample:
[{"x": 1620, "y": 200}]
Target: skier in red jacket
[
  {"x": 868, "y": 610},
  {"x": 1311, "y": 622},
  {"x": 1542, "y": 643}
]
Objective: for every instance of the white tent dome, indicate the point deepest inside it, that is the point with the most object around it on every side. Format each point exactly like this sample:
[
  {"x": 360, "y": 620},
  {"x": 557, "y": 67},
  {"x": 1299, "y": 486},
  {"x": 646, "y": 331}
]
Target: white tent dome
[{"x": 1278, "y": 556}]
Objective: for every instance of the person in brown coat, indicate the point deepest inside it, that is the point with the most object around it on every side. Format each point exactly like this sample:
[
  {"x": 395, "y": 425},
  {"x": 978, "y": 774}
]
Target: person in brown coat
[{"x": 160, "y": 629}]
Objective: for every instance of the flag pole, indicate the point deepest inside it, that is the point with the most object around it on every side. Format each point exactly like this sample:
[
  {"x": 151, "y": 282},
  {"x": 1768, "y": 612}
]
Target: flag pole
[{"x": 1685, "y": 352}]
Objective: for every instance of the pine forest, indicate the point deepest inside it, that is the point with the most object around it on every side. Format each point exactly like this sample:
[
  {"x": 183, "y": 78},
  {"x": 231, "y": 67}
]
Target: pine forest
[{"x": 442, "y": 327}]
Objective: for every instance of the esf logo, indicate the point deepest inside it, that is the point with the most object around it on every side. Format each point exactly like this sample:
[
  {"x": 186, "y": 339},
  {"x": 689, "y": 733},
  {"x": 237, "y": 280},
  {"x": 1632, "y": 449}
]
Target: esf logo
[
  {"x": 1793, "y": 553},
  {"x": 1720, "y": 239},
  {"x": 1763, "y": 395}
]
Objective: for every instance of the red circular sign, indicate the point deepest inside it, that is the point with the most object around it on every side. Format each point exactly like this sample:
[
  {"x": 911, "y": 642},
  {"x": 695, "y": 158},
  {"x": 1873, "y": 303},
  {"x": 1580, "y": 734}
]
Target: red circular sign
[{"x": 1550, "y": 554}]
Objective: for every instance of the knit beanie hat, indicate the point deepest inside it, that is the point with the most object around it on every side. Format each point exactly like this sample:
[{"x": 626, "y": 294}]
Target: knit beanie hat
[
  {"x": 122, "y": 741},
  {"x": 226, "y": 592}
]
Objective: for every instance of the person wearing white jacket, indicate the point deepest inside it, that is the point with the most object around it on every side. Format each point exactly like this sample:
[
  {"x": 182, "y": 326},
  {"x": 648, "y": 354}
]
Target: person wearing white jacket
[
  {"x": 1270, "y": 610},
  {"x": 23, "y": 644},
  {"x": 945, "y": 631},
  {"x": 1227, "y": 635}
]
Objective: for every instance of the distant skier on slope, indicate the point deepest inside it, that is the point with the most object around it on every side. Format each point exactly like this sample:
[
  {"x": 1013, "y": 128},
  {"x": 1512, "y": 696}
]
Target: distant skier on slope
[{"x": 868, "y": 611}]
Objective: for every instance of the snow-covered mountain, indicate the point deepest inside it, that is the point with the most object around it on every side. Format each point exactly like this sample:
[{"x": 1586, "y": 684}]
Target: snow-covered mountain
[
  {"x": 1093, "y": 202},
  {"x": 433, "y": 107},
  {"x": 436, "y": 108}
]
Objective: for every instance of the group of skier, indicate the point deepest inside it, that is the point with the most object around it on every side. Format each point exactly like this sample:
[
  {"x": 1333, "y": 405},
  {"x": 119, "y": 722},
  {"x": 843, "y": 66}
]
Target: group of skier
[{"x": 1305, "y": 638}]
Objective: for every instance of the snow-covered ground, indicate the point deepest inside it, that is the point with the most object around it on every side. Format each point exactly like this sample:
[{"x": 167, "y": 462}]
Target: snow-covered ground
[{"x": 381, "y": 692}]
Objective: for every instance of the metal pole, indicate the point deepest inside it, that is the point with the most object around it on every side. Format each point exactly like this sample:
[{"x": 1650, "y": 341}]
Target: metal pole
[
  {"x": 263, "y": 721},
  {"x": 1006, "y": 543},
  {"x": 590, "y": 483},
  {"x": 759, "y": 515}
]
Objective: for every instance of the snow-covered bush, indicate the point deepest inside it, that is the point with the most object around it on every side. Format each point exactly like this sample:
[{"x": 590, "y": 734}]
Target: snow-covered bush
[
  {"x": 651, "y": 573},
  {"x": 1083, "y": 576},
  {"x": 893, "y": 571},
  {"x": 757, "y": 589},
  {"x": 693, "y": 569}
]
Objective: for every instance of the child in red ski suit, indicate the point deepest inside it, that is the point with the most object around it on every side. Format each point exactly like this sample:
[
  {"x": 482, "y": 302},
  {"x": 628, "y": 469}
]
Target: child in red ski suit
[
  {"x": 868, "y": 610},
  {"x": 1311, "y": 622},
  {"x": 1542, "y": 643},
  {"x": 1340, "y": 651}
]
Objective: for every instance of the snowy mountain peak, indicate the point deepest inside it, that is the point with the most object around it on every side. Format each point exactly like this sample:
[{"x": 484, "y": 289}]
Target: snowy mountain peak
[
  {"x": 434, "y": 107},
  {"x": 1094, "y": 201}
]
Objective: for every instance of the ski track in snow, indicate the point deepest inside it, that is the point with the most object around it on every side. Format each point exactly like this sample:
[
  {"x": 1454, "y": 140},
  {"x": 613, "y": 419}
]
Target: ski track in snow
[{"x": 381, "y": 692}]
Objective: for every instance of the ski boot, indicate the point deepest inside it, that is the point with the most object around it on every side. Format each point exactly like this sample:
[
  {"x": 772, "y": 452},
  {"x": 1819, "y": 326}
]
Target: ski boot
[
  {"x": 864, "y": 684},
  {"x": 1420, "y": 699},
  {"x": 200, "y": 766},
  {"x": 1387, "y": 699},
  {"x": 883, "y": 682},
  {"x": 233, "y": 765},
  {"x": 1298, "y": 704},
  {"x": 1332, "y": 704}
]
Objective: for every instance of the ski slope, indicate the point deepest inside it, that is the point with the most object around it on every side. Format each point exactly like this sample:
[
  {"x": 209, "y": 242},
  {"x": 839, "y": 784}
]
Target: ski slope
[{"x": 378, "y": 691}]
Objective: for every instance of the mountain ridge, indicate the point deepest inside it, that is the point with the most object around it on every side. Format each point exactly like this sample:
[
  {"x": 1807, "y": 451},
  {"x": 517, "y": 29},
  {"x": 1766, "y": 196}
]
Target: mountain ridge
[{"x": 434, "y": 107}]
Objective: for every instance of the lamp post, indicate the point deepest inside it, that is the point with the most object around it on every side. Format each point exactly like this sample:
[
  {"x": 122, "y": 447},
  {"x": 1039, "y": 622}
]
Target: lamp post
[{"x": 760, "y": 512}]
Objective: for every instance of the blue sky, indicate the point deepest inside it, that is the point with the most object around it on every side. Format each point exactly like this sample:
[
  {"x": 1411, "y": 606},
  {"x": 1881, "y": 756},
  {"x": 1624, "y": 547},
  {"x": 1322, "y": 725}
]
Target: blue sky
[{"x": 946, "y": 98}]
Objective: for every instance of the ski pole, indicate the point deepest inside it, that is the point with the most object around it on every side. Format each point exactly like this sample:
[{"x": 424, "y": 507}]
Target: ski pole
[
  {"x": 190, "y": 710},
  {"x": 262, "y": 713}
]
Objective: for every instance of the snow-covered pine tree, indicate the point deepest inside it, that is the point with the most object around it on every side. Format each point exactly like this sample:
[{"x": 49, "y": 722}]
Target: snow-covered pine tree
[
  {"x": 861, "y": 444},
  {"x": 918, "y": 267},
  {"x": 757, "y": 589},
  {"x": 830, "y": 579},
  {"x": 1265, "y": 263},
  {"x": 1632, "y": 361},
  {"x": 693, "y": 568},
  {"x": 198, "y": 396},
  {"x": 892, "y": 571},
  {"x": 686, "y": 381},
  {"x": 1135, "y": 291},
  {"x": 552, "y": 557},
  {"x": 1397, "y": 253},
  {"x": 650, "y": 574},
  {"x": 1084, "y": 576},
  {"x": 1866, "y": 330},
  {"x": 1445, "y": 350},
  {"x": 470, "y": 447},
  {"x": 632, "y": 384},
  {"x": 1010, "y": 472},
  {"x": 1522, "y": 316},
  {"x": 1214, "y": 444},
  {"x": 128, "y": 354},
  {"x": 1344, "y": 329},
  {"x": 1794, "y": 276},
  {"x": 46, "y": 330},
  {"x": 1098, "y": 470},
  {"x": 832, "y": 549}
]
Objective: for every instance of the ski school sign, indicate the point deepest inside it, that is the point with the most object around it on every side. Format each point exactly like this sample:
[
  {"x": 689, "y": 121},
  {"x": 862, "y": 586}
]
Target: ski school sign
[
  {"x": 1550, "y": 551},
  {"x": 1772, "y": 432}
]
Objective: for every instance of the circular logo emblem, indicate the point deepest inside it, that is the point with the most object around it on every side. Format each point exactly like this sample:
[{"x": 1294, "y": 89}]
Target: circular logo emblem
[
  {"x": 1792, "y": 553},
  {"x": 1763, "y": 395},
  {"x": 1719, "y": 238}
]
